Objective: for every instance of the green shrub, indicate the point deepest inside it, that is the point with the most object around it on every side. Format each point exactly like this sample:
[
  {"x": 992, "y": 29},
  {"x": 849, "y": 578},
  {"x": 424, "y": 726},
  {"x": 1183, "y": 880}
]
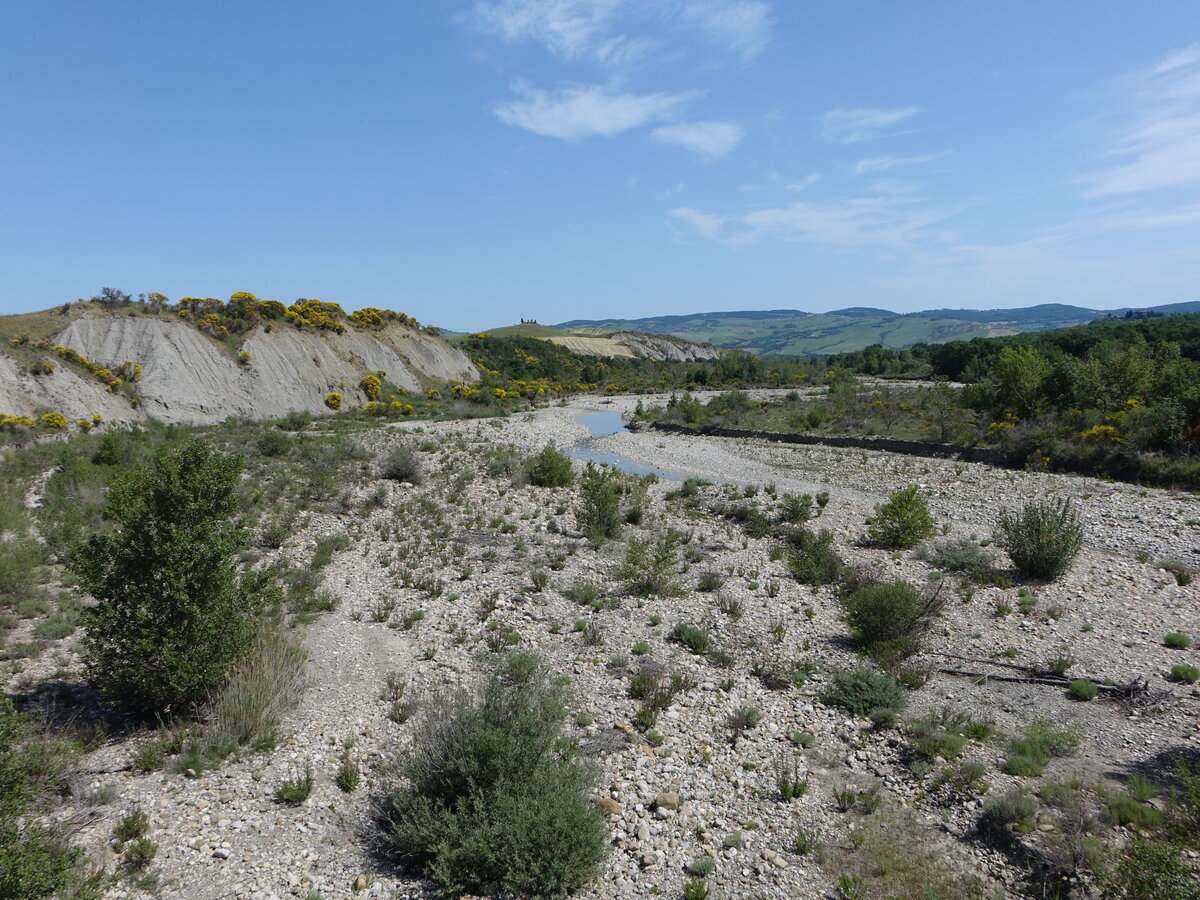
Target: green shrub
[
  {"x": 649, "y": 570},
  {"x": 172, "y": 616},
  {"x": 695, "y": 639},
  {"x": 888, "y": 619},
  {"x": 35, "y": 861},
  {"x": 347, "y": 774},
  {"x": 549, "y": 468},
  {"x": 494, "y": 794},
  {"x": 1149, "y": 870},
  {"x": 296, "y": 789},
  {"x": 1177, "y": 641},
  {"x": 1185, "y": 674},
  {"x": 1016, "y": 809},
  {"x": 598, "y": 514},
  {"x": 860, "y": 691},
  {"x": 132, "y": 826},
  {"x": 903, "y": 521},
  {"x": 811, "y": 557},
  {"x": 1042, "y": 539},
  {"x": 1043, "y": 740},
  {"x": 1125, "y": 810},
  {"x": 273, "y": 443},
  {"x": 960, "y": 555},
  {"x": 139, "y": 853},
  {"x": 402, "y": 464},
  {"x": 1083, "y": 689}
]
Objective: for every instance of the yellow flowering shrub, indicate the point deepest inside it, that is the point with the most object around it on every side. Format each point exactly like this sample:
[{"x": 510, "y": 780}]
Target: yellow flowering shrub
[
  {"x": 54, "y": 420},
  {"x": 371, "y": 386},
  {"x": 333, "y": 400},
  {"x": 97, "y": 418},
  {"x": 245, "y": 358},
  {"x": 84, "y": 425},
  {"x": 12, "y": 423}
]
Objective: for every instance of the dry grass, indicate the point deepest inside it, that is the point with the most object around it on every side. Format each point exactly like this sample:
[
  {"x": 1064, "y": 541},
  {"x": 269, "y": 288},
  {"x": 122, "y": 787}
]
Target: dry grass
[{"x": 38, "y": 324}]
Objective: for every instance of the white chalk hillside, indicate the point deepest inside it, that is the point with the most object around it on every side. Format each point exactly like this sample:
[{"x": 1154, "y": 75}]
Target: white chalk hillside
[{"x": 188, "y": 378}]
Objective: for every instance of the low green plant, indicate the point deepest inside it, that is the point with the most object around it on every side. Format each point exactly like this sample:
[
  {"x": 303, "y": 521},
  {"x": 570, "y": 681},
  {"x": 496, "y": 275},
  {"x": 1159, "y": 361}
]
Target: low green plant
[
  {"x": 132, "y": 825},
  {"x": 549, "y": 468},
  {"x": 1185, "y": 674},
  {"x": 1177, "y": 641},
  {"x": 402, "y": 464},
  {"x": 347, "y": 776},
  {"x": 811, "y": 557},
  {"x": 296, "y": 789},
  {"x": 1149, "y": 870},
  {"x": 1042, "y": 740},
  {"x": 887, "y": 619},
  {"x": 649, "y": 570},
  {"x": 1016, "y": 810},
  {"x": 903, "y": 521},
  {"x": 859, "y": 691},
  {"x": 598, "y": 513},
  {"x": 958, "y": 555},
  {"x": 495, "y": 794},
  {"x": 1126, "y": 810},
  {"x": 138, "y": 855},
  {"x": 692, "y": 637},
  {"x": 1083, "y": 689},
  {"x": 744, "y": 718},
  {"x": 1042, "y": 538},
  {"x": 702, "y": 866},
  {"x": 696, "y": 889}
]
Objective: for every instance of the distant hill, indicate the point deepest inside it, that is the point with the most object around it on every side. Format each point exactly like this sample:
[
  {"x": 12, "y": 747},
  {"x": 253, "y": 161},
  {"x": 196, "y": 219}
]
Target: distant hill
[
  {"x": 608, "y": 342},
  {"x": 791, "y": 332}
]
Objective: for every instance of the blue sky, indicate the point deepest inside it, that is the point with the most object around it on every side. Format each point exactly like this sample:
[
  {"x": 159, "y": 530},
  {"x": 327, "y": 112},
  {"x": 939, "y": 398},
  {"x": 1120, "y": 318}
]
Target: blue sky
[{"x": 473, "y": 163}]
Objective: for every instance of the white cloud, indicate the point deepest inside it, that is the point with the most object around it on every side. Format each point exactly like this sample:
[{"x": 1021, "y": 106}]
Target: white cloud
[
  {"x": 704, "y": 224},
  {"x": 806, "y": 182},
  {"x": 568, "y": 28},
  {"x": 1143, "y": 219},
  {"x": 883, "y": 163},
  {"x": 1161, "y": 148},
  {"x": 849, "y": 222},
  {"x": 744, "y": 26},
  {"x": 706, "y": 138},
  {"x": 850, "y": 125},
  {"x": 586, "y": 111},
  {"x": 613, "y": 32}
]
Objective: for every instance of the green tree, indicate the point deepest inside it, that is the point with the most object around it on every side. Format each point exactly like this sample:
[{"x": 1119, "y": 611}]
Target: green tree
[
  {"x": 172, "y": 614},
  {"x": 1020, "y": 374}
]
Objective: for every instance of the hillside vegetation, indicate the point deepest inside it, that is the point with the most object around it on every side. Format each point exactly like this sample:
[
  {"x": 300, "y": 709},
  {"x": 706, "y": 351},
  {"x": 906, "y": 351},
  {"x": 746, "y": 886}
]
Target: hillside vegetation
[
  {"x": 789, "y": 332},
  {"x": 1115, "y": 398}
]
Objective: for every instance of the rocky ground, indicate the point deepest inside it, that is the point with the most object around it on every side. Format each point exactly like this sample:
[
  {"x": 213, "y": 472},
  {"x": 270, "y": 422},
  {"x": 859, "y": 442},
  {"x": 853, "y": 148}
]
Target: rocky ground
[{"x": 437, "y": 576}]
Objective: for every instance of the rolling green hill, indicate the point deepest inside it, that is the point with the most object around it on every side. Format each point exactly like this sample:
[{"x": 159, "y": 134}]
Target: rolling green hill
[{"x": 789, "y": 332}]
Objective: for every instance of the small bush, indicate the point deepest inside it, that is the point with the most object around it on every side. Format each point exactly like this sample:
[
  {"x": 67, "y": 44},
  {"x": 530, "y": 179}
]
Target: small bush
[
  {"x": 1177, "y": 641},
  {"x": 549, "y": 468},
  {"x": 132, "y": 826},
  {"x": 860, "y": 691},
  {"x": 903, "y": 521},
  {"x": 1149, "y": 870},
  {"x": 1042, "y": 741},
  {"x": 273, "y": 443},
  {"x": 961, "y": 555},
  {"x": 1125, "y": 810},
  {"x": 811, "y": 557},
  {"x": 1083, "y": 689},
  {"x": 709, "y": 582},
  {"x": 1016, "y": 809},
  {"x": 139, "y": 853},
  {"x": 347, "y": 777},
  {"x": 690, "y": 636},
  {"x": 401, "y": 464},
  {"x": 649, "y": 569},
  {"x": 494, "y": 794},
  {"x": 1043, "y": 539},
  {"x": 296, "y": 789},
  {"x": 888, "y": 619},
  {"x": 1185, "y": 674},
  {"x": 599, "y": 512}
]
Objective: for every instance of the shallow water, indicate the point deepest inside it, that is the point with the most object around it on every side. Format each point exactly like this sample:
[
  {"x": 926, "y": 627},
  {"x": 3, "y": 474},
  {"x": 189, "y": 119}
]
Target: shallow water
[{"x": 602, "y": 424}]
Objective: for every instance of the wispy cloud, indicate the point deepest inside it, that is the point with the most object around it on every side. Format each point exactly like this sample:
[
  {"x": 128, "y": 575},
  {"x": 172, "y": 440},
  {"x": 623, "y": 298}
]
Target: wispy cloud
[
  {"x": 586, "y": 110},
  {"x": 568, "y": 28},
  {"x": 622, "y": 31},
  {"x": 849, "y": 222},
  {"x": 1161, "y": 148},
  {"x": 850, "y": 125},
  {"x": 709, "y": 139},
  {"x": 883, "y": 163},
  {"x": 702, "y": 223},
  {"x": 619, "y": 32},
  {"x": 1142, "y": 219},
  {"x": 744, "y": 26},
  {"x": 804, "y": 183}
]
